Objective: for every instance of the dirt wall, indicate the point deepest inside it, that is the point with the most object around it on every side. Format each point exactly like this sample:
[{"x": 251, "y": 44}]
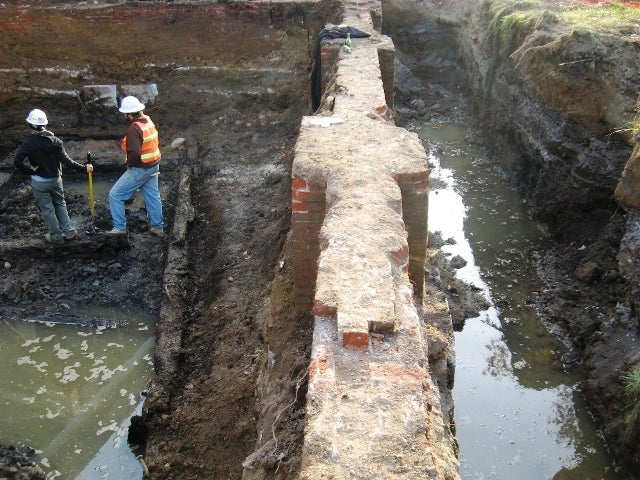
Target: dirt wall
[
  {"x": 197, "y": 53},
  {"x": 557, "y": 100}
]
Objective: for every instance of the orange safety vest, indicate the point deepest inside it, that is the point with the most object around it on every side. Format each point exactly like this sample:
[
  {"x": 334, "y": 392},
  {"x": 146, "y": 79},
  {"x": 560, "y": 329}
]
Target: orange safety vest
[{"x": 150, "y": 148}]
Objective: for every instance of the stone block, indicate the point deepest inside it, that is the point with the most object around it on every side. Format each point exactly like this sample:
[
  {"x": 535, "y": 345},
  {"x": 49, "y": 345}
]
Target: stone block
[
  {"x": 146, "y": 93},
  {"x": 102, "y": 95}
]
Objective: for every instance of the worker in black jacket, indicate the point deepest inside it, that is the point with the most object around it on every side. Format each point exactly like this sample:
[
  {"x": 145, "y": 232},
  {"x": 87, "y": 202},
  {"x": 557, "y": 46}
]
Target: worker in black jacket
[{"x": 42, "y": 155}]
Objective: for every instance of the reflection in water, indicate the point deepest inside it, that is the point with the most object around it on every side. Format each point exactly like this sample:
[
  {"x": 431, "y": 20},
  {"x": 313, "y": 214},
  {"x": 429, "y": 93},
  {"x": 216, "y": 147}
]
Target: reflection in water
[
  {"x": 70, "y": 390},
  {"x": 498, "y": 360},
  {"x": 518, "y": 412},
  {"x": 114, "y": 457}
]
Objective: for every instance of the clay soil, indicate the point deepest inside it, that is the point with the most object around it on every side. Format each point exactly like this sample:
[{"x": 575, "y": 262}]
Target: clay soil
[
  {"x": 232, "y": 320},
  {"x": 242, "y": 354}
]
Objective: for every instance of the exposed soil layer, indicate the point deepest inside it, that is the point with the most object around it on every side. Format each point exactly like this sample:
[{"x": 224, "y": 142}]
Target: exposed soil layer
[
  {"x": 242, "y": 354},
  {"x": 205, "y": 427},
  {"x": 236, "y": 322},
  {"x": 242, "y": 357}
]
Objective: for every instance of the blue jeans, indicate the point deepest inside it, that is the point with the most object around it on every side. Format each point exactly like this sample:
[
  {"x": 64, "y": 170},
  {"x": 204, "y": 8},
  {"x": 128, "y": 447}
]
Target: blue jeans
[
  {"x": 49, "y": 195},
  {"x": 145, "y": 179}
]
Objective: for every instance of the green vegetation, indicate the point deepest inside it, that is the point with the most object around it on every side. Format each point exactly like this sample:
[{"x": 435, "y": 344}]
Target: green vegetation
[
  {"x": 509, "y": 20},
  {"x": 631, "y": 381},
  {"x": 614, "y": 16},
  {"x": 512, "y": 21},
  {"x": 635, "y": 126}
]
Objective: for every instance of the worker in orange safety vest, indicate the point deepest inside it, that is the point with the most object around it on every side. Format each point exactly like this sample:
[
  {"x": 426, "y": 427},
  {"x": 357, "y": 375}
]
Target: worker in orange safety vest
[{"x": 141, "y": 146}]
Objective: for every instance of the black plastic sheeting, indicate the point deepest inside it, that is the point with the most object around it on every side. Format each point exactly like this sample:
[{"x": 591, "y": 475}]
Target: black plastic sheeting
[{"x": 328, "y": 33}]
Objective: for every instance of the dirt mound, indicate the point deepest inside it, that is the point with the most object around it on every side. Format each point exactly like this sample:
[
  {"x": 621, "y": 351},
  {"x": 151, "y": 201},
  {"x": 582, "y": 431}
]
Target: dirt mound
[{"x": 16, "y": 464}]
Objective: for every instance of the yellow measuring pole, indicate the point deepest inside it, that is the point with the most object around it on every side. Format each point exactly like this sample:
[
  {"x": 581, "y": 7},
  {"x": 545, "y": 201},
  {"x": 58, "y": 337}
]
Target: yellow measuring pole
[{"x": 92, "y": 206}]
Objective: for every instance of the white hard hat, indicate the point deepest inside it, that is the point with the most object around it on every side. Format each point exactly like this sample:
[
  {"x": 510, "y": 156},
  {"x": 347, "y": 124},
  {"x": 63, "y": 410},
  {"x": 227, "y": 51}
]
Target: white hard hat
[
  {"x": 37, "y": 118},
  {"x": 131, "y": 105}
]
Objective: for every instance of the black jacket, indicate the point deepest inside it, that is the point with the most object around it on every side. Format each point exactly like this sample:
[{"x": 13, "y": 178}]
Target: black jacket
[{"x": 42, "y": 149}]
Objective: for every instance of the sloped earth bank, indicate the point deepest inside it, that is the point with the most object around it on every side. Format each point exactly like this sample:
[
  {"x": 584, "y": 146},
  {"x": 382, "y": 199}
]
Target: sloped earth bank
[
  {"x": 557, "y": 102},
  {"x": 202, "y": 422}
]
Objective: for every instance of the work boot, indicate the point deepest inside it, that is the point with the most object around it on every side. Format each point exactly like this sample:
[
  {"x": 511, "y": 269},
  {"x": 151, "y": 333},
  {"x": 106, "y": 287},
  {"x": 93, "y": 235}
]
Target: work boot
[
  {"x": 47, "y": 238},
  {"x": 157, "y": 231},
  {"x": 69, "y": 235},
  {"x": 115, "y": 231}
]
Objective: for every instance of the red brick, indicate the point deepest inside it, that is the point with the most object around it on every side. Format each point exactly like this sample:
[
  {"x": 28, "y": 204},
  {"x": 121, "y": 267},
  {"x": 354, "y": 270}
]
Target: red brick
[
  {"x": 421, "y": 187},
  {"x": 316, "y": 207},
  {"x": 305, "y": 231},
  {"x": 303, "y": 305},
  {"x": 323, "y": 310},
  {"x": 306, "y": 292},
  {"x": 298, "y": 183},
  {"x": 311, "y": 216},
  {"x": 300, "y": 194},
  {"x": 303, "y": 246},
  {"x": 307, "y": 274},
  {"x": 306, "y": 236},
  {"x": 355, "y": 339},
  {"x": 299, "y": 207},
  {"x": 309, "y": 194},
  {"x": 401, "y": 256},
  {"x": 414, "y": 177}
]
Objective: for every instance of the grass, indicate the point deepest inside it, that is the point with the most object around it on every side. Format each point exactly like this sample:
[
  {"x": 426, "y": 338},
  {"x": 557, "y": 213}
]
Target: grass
[
  {"x": 509, "y": 18},
  {"x": 635, "y": 125},
  {"x": 631, "y": 381},
  {"x": 613, "y": 16},
  {"x": 513, "y": 20}
]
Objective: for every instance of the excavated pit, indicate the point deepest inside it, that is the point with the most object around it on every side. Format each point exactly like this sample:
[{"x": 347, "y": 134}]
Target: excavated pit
[{"x": 227, "y": 85}]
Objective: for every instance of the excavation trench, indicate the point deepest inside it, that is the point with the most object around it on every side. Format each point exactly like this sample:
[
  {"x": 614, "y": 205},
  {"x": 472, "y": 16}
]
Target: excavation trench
[{"x": 227, "y": 85}]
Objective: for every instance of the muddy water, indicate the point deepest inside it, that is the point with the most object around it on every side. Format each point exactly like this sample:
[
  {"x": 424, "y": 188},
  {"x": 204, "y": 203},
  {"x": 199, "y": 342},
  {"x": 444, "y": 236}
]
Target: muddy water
[
  {"x": 101, "y": 187},
  {"x": 69, "y": 391},
  {"x": 519, "y": 412}
]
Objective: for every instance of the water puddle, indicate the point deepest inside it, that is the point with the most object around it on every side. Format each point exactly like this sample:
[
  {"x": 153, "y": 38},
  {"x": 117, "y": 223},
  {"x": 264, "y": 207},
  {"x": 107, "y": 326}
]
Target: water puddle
[
  {"x": 519, "y": 413},
  {"x": 101, "y": 186},
  {"x": 69, "y": 391}
]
